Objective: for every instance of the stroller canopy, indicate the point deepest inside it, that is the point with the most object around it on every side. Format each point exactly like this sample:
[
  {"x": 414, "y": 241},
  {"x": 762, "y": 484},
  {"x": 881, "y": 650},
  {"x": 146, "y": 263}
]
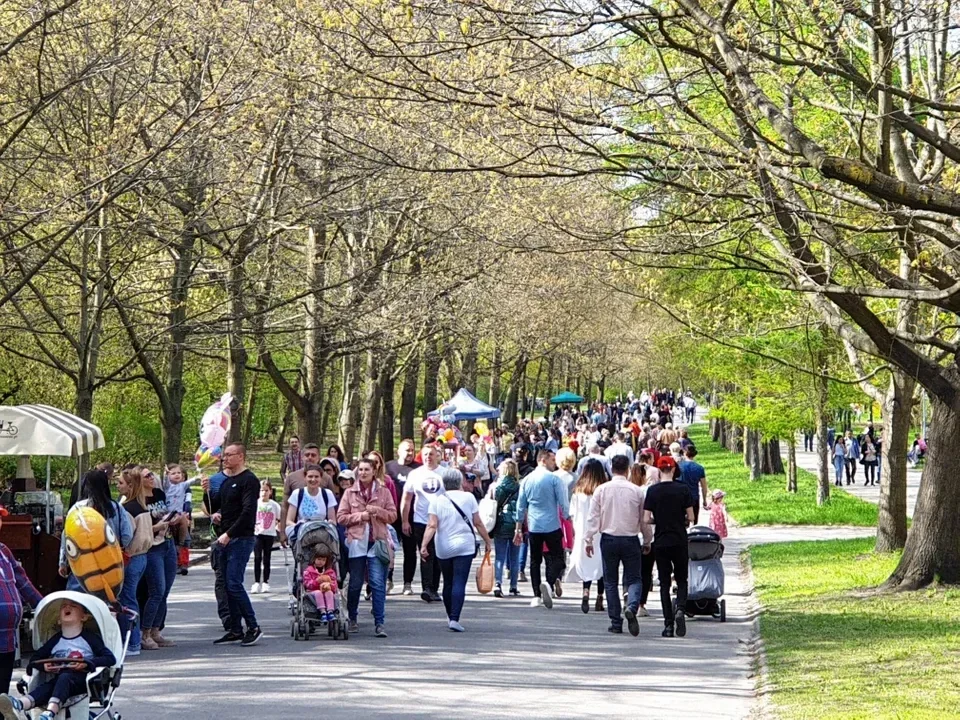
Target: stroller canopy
[
  {"x": 703, "y": 543},
  {"x": 317, "y": 537},
  {"x": 47, "y": 617}
]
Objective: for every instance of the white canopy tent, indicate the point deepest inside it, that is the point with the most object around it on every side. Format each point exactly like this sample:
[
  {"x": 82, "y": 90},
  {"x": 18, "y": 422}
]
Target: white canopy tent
[{"x": 46, "y": 430}]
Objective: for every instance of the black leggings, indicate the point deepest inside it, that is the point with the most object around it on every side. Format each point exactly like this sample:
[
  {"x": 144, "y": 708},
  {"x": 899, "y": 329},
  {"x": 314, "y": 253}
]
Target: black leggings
[
  {"x": 870, "y": 470},
  {"x": 429, "y": 568},
  {"x": 851, "y": 470},
  {"x": 262, "y": 550},
  {"x": 410, "y": 554},
  {"x": 672, "y": 561},
  {"x": 646, "y": 574},
  {"x": 586, "y": 587}
]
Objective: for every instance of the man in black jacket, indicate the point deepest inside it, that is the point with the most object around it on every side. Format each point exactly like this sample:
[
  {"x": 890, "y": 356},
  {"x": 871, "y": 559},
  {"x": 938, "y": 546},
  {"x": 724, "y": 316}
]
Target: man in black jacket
[{"x": 235, "y": 502}]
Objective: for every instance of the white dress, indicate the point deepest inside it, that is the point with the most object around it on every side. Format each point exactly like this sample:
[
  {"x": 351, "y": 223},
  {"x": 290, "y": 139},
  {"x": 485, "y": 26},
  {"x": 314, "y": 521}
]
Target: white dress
[{"x": 583, "y": 568}]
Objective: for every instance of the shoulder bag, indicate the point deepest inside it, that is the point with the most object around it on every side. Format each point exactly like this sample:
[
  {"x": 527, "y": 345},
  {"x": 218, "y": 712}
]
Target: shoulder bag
[
  {"x": 142, "y": 539},
  {"x": 476, "y": 541}
]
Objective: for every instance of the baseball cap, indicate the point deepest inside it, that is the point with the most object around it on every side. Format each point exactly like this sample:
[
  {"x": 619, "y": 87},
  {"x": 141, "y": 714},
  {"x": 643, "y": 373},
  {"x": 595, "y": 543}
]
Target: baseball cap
[
  {"x": 348, "y": 474},
  {"x": 666, "y": 463}
]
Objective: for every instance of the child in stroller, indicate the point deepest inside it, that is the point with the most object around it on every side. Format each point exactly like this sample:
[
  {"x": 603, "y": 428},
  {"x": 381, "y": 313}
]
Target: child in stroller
[
  {"x": 317, "y": 550},
  {"x": 320, "y": 581},
  {"x": 64, "y": 662}
]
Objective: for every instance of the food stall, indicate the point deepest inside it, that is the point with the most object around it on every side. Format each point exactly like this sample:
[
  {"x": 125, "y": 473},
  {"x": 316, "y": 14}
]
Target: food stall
[{"x": 32, "y": 529}]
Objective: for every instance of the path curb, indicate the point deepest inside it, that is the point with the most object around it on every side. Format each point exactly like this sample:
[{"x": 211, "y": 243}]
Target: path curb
[{"x": 763, "y": 708}]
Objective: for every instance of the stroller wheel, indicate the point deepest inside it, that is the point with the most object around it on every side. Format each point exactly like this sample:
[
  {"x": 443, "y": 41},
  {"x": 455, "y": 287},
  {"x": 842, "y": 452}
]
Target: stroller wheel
[
  {"x": 344, "y": 633},
  {"x": 723, "y": 611},
  {"x": 293, "y": 629},
  {"x": 332, "y": 628}
]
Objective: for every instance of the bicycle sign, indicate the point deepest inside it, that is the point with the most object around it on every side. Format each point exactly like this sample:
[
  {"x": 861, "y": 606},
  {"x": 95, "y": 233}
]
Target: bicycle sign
[{"x": 8, "y": 429}]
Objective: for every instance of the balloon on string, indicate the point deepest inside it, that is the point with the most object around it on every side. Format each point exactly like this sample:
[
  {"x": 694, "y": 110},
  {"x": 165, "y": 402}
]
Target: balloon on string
[
  {"x": 207, "y": 457},
  {"x": 481, "y": 429}
]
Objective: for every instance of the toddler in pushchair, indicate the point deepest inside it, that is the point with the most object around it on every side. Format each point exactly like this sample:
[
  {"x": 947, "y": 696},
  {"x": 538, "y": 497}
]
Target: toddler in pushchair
[
  {"x": 316, "y": 587},
  {"x": 705, "y": 575},
  {"x": 76, "y": 670}
]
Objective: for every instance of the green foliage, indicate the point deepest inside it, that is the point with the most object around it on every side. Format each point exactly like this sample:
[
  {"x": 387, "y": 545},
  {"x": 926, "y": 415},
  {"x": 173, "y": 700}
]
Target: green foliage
[
  {"x": 766, "y": 501},
  {"x": 837, "y": 653}
]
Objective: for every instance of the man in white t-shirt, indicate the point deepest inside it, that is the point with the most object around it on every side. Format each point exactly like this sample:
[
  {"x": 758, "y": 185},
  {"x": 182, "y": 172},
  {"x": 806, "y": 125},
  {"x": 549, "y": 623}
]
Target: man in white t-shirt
[
  {"x": 453, "y": 530},
  {"x": 422, "y": 485},
  {"x": 619, "y": 447}
]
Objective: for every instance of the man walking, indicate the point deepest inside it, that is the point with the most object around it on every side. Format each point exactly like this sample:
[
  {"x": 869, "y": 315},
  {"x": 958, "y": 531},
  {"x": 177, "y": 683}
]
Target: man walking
[
  {"x": 542, "y": 500},
  {"x": 423, "y": 484},
  {"x": 293, "y": 460},
  {"x": 617, "y": 514},
  {"x": 619, "y": 448},
  {"x": 668, "y": 505},
  {"x": 236, "y": 504},
  {"x": 296, "y": 479},
  {"x": 694, "y": 477},
  {"x": 400, "y": 470}
]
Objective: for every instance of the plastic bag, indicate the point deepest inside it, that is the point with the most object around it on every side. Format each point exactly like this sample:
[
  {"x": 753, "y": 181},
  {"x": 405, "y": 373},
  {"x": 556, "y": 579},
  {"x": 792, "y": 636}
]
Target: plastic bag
[{"x": 485, "y": 575}]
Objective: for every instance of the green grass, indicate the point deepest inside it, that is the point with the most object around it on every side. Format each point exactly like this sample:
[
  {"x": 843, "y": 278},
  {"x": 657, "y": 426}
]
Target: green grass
[
  {"x": 766, "y": 501},
  {"x": 837, "y": 651}
]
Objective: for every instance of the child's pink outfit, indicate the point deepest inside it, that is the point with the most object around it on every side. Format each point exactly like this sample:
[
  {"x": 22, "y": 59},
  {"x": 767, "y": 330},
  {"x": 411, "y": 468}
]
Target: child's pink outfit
[
  {"x": 313, "y": 579},
  {"x": 718, "y": 519}
]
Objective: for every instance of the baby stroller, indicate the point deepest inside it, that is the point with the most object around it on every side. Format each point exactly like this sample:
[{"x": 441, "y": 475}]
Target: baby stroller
[
  {"x": 102, "y": 683},
  {"x": 705, "y": 550},
  {"x": 315, "y": 537}
]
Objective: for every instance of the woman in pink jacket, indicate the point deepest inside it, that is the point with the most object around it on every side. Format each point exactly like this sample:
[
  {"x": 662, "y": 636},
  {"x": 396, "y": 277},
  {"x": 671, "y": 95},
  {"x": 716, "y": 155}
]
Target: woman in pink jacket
[{"x": 365, "y": 510}]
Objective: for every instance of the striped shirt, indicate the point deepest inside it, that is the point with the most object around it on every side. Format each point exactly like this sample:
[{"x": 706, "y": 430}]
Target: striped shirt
[{"x": 292, "y": 461}]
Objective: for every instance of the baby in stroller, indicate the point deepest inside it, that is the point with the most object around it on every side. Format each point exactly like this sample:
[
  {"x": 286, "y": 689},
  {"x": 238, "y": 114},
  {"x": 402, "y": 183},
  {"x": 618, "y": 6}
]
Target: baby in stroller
[
  {"x": 320, "y": 581},
  {"x": 65, "y": 658}
]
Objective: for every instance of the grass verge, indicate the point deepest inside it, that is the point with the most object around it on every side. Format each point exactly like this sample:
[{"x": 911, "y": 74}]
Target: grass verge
[
  {"x": 836, "y": 654},
  {"x": 766, "y": 501}
]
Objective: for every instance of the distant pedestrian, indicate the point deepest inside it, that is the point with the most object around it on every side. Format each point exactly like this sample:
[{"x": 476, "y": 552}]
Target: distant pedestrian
[{"x": 293, "y": 459}]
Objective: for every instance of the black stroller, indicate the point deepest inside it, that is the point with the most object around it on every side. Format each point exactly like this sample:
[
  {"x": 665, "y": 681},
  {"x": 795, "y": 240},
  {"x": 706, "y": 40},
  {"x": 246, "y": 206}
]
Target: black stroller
[
  {"x": 315, "y": 537},
  {"x": 705, "y": 573}
]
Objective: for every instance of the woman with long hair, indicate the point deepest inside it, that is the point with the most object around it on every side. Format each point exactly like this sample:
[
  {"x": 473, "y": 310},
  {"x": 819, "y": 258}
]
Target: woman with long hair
[
  {"x": 380, "y": 474},
  {"x": 583, "y": 567},
  {"x": 133, "y": 499},
  {"x": 161, "y": 563},
  {"x": 506, "y": 492},
  {"x": 336, "y": 453}
]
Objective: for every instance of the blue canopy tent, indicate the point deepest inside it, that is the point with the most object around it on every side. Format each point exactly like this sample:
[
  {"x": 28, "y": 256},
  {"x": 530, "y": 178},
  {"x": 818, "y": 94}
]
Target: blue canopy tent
[
  {"x": 566, "y": 398},
  {"x": 464, "y": 406}
]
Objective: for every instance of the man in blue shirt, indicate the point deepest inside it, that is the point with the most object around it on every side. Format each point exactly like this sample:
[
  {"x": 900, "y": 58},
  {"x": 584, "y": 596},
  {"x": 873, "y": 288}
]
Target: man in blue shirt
[
  {"x": 694, "y": 477},
  {"x": 543, "y": 499}
]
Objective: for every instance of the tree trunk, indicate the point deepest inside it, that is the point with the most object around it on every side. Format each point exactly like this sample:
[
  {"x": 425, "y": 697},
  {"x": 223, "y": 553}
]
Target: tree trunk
[
  {"x": 371, "y": 404},
  {"x": 171, "y": 434},
  {"x": 495, "y": 369},
  {"x": 431, "y": 373},
  {"x": 932, "y": 550},
  {"x": 387, "y": 408},
  {"x": 468, "y": 373},
  {"x": 327, "y": 403},
  {"x": 284, "y": 426},
  {"x": 347, "y": 436},
  {"x": 513, "y": 390},
  {"x": 792, "y": 466},
  {"x": 823, "y": 447},
  {"x": 408, "y": 397},
  {"x": 249, "y": 406},
  {"x": 772, "y": 461},
  {"x": 754, "y": 454},
  {"x": 897, "y": 409}
]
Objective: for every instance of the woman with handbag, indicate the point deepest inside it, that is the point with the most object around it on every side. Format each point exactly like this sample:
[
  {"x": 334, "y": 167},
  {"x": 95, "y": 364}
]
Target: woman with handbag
[
  {"x": 161, "y": 568},
  {"x": 506, "y": 493},
  {"x": 133, "y": 500},
  {"x": 453, "y": 524},
  {"x": 366, "y": 509}
]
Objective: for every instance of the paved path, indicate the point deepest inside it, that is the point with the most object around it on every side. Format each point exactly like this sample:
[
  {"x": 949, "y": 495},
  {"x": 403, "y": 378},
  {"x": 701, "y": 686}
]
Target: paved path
[
  {"x": 513, "y": 661},
  {"x": 870, "y": 493}
]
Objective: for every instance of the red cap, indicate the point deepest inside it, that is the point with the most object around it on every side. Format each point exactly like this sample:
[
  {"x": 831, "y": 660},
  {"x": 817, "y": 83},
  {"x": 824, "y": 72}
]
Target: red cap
[
  {"x": 666, "y": 463},
  {"x": 3, "y": 511}
]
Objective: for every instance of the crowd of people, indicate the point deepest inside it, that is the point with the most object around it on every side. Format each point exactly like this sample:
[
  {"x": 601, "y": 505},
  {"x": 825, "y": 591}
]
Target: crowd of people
[{"x": 586, "y": 497}]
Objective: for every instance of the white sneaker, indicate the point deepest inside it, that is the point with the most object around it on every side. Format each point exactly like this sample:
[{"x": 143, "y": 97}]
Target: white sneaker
[
  {"x": 455, "y": 626},
  {"x": 546, "y": 596},
  {"x": 255, "y": 589},
  {"x": 642, "y": 612},
  {"x": 265, "y": 588},
  {"x": 536, "y": 602},
  {"x": 407, "y": 589}
]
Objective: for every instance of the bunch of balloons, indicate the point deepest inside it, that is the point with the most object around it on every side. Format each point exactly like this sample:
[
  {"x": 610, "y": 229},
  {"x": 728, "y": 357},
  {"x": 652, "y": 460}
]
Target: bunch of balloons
[
  {"x": 483, "y": 431},
  {"x": 214, "y": 427}
]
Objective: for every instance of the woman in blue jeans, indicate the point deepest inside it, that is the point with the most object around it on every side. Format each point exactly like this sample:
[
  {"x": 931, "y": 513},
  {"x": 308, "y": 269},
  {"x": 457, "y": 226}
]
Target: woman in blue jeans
[
  {"x": 453, "y": 523},
  {"x": 505, "y": 493},
  {"x": 130, "y": 486},
  {"x": 161, "y": 568}
]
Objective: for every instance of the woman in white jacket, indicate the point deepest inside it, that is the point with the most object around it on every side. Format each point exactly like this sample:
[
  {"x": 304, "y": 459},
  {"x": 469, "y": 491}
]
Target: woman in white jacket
[{"x": 583, "y": 568}]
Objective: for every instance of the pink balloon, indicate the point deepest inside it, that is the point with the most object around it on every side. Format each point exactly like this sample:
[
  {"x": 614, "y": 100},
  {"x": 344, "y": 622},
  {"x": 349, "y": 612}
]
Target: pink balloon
[{"x": 212, "y": 436}]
